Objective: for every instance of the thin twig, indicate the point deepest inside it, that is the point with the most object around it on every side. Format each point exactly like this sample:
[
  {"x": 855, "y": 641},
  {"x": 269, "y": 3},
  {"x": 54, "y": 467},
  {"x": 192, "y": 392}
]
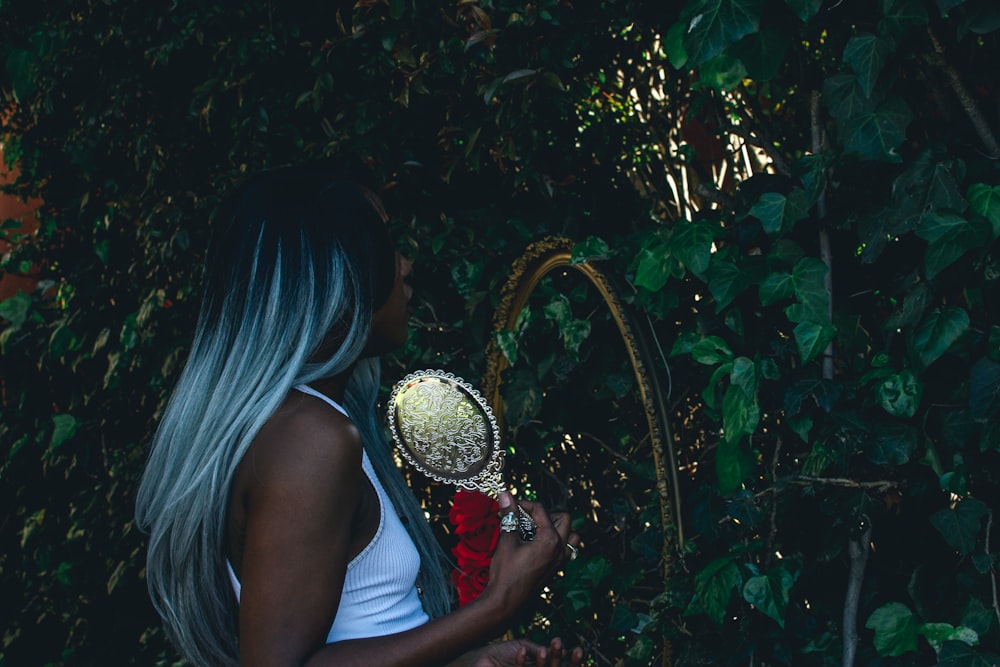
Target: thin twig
[
  {"x": 825, "y": 249},
  {"x": 993, "y": 570},
  {"x": 605, "y": 447},
  {"x": 964, "y": 97},
  {"x": 774, "y": 501},
  {"x": 715, "y": 196},
  {"x": 857, "y": 550},
  {"x": 804, "y": 480}
]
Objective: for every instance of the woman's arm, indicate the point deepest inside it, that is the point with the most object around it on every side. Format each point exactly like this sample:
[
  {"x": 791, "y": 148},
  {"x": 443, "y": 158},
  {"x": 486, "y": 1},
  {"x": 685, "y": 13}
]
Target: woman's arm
[{"x": 301, "y": 513}]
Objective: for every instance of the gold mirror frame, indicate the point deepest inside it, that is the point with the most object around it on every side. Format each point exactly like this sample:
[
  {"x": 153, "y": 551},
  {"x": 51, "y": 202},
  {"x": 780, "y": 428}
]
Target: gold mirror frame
[{"x": 538, "y": 260}]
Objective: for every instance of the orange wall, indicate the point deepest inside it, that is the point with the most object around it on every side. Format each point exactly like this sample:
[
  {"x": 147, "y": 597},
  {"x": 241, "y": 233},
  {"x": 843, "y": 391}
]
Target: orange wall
[{"x": 14, "y": 207}]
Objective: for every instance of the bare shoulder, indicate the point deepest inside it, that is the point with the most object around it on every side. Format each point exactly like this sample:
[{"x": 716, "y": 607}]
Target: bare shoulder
[{"x": 305, "y": 440}]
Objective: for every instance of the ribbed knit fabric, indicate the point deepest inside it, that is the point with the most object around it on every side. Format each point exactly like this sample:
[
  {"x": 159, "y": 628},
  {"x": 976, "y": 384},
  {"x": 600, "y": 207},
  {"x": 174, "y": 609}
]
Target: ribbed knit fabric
[{"x": 380, "y": 593}]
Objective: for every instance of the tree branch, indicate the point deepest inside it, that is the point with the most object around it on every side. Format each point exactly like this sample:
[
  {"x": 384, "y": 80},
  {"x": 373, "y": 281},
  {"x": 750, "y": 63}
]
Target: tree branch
[
  {"x": 857, "y": 550},
  {"x": 964, "y": 97}
]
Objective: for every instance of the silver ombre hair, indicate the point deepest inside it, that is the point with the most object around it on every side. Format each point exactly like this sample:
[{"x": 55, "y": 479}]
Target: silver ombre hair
[{"x": 298, "y": 262}]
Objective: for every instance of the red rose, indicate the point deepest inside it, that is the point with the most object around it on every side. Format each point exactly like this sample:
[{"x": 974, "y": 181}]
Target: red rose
[{"x": 477, "y": 525}]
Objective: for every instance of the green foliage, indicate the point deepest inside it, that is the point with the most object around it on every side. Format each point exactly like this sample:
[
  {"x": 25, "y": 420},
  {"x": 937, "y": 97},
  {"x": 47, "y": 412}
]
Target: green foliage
[{"x": 800, "y": 196}]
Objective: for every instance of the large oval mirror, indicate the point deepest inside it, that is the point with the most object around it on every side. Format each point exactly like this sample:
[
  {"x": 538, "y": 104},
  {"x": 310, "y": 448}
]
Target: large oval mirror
[{"x": 573, "y": 381}]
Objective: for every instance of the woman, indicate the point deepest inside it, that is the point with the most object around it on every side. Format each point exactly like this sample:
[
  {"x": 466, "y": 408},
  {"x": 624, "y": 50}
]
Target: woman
[{"x": 281, "y": 532}]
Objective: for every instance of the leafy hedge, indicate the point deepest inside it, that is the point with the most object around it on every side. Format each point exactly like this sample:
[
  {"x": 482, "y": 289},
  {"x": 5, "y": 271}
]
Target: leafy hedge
[{"x": 802, "y": 196}]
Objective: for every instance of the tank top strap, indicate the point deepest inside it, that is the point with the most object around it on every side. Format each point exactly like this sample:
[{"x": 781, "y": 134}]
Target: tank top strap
[{"x": 306, "y": 389}]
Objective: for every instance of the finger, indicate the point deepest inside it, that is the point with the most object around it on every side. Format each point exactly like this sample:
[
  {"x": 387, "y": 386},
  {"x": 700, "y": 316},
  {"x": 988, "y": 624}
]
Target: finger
[
  {"x": 538, "y": 514},
  {"x": 505, "y": 501},
  {"x": 563, "y": 524},
  {"x": 508, "y": 518},
  {"x": 520, "y": 659},
  {"x": 555, "y": 652},
  {"x": 576, "y": 658}
]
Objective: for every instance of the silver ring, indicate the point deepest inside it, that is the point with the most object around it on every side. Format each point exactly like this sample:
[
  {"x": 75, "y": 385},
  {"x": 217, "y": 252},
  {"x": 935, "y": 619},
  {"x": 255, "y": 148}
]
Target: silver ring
[
  {"x": 573, "y": 551},
  {"x": 508, "y": 522}
]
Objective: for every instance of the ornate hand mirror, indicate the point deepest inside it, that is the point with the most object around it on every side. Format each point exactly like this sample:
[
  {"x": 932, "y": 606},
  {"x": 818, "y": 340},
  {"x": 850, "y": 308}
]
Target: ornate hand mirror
[{"x": 446, "y": 429}]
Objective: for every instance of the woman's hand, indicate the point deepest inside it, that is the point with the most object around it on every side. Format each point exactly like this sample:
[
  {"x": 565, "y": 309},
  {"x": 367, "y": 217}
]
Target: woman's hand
[
  {"x": 519, "y": 568},
  {"x": 523, "y": 653}
]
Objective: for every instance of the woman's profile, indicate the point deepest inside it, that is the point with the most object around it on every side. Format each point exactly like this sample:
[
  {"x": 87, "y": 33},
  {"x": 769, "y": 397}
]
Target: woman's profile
[{"x": 280, "y": 530}]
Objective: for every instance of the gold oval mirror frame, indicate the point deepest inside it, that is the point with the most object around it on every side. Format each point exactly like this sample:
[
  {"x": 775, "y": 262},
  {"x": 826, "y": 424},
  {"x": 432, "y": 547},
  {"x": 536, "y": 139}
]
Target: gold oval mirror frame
[{"x": 540, "y": 259}]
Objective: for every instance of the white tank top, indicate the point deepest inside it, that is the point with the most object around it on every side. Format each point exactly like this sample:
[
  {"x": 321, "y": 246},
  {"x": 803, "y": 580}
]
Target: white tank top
[{"x": 380, "y": 592}]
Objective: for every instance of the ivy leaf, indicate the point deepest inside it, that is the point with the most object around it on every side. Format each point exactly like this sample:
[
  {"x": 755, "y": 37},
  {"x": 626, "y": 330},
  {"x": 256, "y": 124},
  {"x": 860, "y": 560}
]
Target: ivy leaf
[
  {"x": 574, "y": 333},
  {"x": 716, "y": 24},
  {"x": 522, "y": 398},
  {"x": 63, "y": 428},
  {"x": 15, "y": 309},
  {"x": 692, "y": 244},
  {"x": 558, "y": 311},
  {"x": 866, "y": 55},
  {"x": 808, "y": 277},
  {"x": 764, "y": 52},
  {"x": 732, "y": 466},
  {"x": 686, "y": 342},
  {"x": 812, "y": 339},
  {"x": 507, "y": 343},
  {"x": 928, "y": 185},
  {"x": 740, "y": 413},
  {"x": 710, "y": 393},
  {"x": 824, "y": 392},
  {"x": 942, "y": 254},
  {"x": 726, "y": 281},
  {"x": 937, "y": 634},
  {"x": 894, "y": 444},
  {"x": 985, "y": 201},
  {"x": 465, "y": 275},
  {"x": 899, "y": 394},
  {"x": 776, "y": 286},
  {"x": 590, "y": 249},
  {"x": 941, "y": 225},
  {"x": 898, "y": 15},
  {"x": 983, "y": 20},
  {"x": 641, "y": 652},
  {"x": 711, "y": 350},
  {"x": 770, "y": 593},
  {"x": 984, "y": 389},
  {"x": 821, "y": 456},
  {"x": 723, "y": 72},
  {"x": 939, "y": 330},
  {"x": 62, "y": 340},
  {"x": 945, "y": 6},
  {"x": 673, "y": 44},
  {"x": 960, "y": 526},
  {"x": 800, "y": 425},
  {"x": 960, "y": 654},
  {"x": 805, "y": 9},
  {"x": 713, "y": 588},
  {"x": 895, "y": 629},
  {"x": 656, "y": 266},
  {"x": 778, "y": 212},
  {"x": 844, "y": 97},
  {"x": 744, "y": 375},
  {"x": 875, "y": 135},
  {"x": 912, "y": 309}
]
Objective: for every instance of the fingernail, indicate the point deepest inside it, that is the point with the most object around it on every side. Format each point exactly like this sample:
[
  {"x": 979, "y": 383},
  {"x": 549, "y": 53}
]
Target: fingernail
[{"x": 505, "y": 500}]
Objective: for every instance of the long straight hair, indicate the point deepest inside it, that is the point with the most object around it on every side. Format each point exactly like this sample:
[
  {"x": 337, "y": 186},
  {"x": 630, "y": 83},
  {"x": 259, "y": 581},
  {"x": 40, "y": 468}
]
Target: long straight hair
[{"x": 300, "y": 263}]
